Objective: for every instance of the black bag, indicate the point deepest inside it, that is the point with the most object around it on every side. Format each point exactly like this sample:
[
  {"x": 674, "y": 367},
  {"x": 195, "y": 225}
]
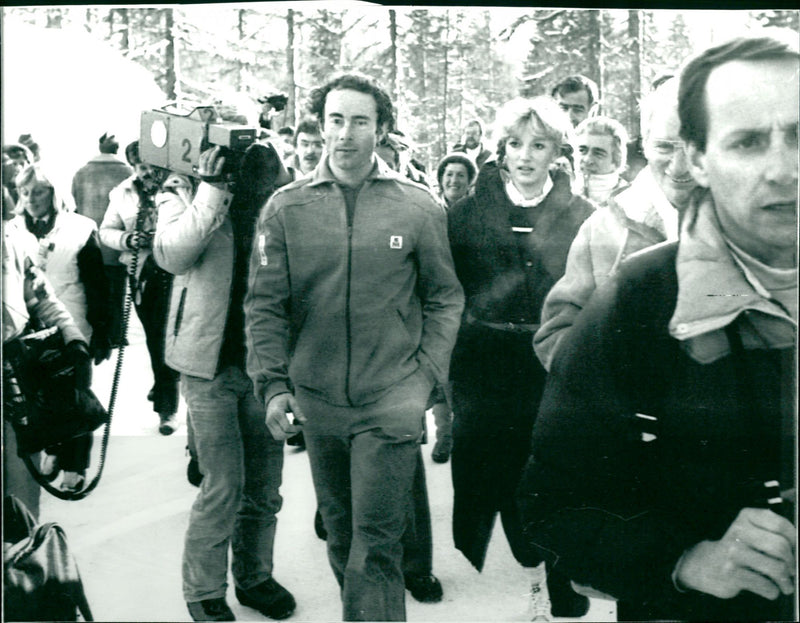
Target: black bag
[
  {"x": 40, "y": 577},
  {"x": 40, "y": 394}
]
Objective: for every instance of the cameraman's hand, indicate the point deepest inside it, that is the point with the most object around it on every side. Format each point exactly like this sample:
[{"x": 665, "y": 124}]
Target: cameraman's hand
[
  {"x": 139, "y": 240},
  {"x": 756, "y": 554},
  {"x": 278, "y": 410},
  {"x": 209, "y": 167}
]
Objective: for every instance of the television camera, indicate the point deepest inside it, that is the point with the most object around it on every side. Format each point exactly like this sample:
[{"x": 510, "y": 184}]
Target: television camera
[{"x": 174, "y": 141}]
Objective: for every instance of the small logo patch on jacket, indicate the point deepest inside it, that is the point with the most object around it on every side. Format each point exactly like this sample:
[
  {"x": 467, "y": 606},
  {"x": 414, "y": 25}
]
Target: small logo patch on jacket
[
  {"x": 262, "y": 250},
  {"x": 396, "y": 242}
]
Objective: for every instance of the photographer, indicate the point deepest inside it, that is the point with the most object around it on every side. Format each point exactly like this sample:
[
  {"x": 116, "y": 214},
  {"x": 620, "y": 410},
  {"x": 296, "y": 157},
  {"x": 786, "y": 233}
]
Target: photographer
[
  {"x": 128, "y": 226},
  {"x": 64, "y": 246},
  {"x": 205, "y": 242},
  {"x": 27, "y": 296}
]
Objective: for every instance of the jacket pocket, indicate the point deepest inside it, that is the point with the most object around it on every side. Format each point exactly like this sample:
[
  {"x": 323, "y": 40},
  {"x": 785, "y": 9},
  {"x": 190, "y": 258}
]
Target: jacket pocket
[{"x": 179, "y": 314}]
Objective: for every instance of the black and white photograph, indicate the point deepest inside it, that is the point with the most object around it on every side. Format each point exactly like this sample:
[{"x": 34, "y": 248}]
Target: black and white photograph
[{"x": 356, "y": 311}]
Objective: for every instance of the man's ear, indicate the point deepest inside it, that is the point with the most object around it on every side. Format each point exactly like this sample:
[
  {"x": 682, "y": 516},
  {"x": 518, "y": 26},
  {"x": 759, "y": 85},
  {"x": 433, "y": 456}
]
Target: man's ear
[
  {"x": 381, "y": 132},
  {"x": 696, "y": 161}
]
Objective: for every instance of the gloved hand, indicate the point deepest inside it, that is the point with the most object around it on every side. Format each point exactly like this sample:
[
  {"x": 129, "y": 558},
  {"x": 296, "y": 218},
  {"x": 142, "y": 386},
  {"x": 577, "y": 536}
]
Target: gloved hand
[
  {"x": 79, "y": 354},
  {"x": 99, "y": 347},
  {"x": 139, "y": 240}
]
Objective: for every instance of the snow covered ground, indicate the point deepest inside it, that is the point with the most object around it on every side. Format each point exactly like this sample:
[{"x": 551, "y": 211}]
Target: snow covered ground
[{"x": 128, "y": 534}]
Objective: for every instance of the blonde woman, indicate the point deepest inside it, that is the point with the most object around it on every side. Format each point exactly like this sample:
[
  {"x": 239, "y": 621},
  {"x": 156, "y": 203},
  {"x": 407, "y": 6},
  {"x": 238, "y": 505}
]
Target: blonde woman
[{"x": 510, "y": 240}]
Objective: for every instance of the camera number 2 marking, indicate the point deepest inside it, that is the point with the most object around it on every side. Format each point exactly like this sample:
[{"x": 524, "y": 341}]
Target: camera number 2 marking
[{"x": 187, "y": 145}]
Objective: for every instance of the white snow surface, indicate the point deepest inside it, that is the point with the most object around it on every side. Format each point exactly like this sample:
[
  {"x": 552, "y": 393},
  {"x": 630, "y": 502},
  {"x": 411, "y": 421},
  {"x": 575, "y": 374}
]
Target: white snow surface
[{"x": 127, "y": 535}]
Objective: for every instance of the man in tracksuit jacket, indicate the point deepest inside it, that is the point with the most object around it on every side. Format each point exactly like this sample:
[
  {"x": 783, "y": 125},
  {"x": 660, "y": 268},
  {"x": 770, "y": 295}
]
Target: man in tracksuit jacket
[{"x": 351, "y": 314}]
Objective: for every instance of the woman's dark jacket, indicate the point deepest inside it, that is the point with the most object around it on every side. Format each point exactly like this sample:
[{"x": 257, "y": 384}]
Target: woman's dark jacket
[{"x": 507, "y": 258}]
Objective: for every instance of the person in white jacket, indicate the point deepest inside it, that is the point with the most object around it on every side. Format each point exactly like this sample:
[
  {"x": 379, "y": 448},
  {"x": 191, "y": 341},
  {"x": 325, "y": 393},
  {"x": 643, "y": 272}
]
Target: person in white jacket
[
  {"x": 64, "y": 246},
  {"x": 128, "y": 226}
]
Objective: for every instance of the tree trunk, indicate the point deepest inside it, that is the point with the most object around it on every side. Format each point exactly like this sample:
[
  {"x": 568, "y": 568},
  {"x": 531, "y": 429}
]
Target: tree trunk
[
  {"x": 125, "y": 40},
  {"x": 239, "y": 65},
  {"x": 443, "y": 122},
  {"x": 170, "y": 58},
  {"x": 594, "y": 56},
  {"x": 393, "y": 86},
  {"x": 292, "y": 87},
  {"x": 54, "y": 18},
  {"x": 635, "y": 37}
]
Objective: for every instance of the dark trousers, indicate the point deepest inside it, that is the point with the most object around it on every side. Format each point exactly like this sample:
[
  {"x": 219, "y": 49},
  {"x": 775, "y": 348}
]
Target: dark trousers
[
  {"x": 116, "y": 275},
  {"x": 151, "y": 300},
  {"x": 418, "y": 538},
  {"x": 364, "y": 461}
]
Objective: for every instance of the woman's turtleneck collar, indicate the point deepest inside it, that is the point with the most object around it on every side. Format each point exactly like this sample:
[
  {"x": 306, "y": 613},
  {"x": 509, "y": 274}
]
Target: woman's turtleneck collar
[{"x": 516, "y": 196}]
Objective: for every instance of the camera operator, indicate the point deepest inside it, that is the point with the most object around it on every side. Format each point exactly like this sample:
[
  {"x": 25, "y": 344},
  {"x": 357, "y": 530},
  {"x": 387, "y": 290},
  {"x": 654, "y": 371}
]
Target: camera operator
[
  {"x": 205, "y": 242},
  {"x": 128, "y": 226}
]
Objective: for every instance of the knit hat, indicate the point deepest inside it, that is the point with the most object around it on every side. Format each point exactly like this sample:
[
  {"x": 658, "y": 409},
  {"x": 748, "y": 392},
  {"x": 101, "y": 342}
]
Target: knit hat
[{"x": 460, "y": 158}]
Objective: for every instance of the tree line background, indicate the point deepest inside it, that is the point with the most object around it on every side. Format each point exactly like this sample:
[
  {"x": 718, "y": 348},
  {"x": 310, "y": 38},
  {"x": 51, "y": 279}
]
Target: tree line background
[{"x": 441, "y": 65}]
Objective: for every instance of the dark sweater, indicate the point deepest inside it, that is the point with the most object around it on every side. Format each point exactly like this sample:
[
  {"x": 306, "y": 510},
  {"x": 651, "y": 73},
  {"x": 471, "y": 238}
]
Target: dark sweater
[
  {"x": 243, "y": 213},
  {"x": 506, "y": 274}
]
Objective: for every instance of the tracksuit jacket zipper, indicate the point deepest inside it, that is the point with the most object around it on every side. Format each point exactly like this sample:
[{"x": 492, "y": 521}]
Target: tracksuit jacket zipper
[{"x": 347, "y": 311}]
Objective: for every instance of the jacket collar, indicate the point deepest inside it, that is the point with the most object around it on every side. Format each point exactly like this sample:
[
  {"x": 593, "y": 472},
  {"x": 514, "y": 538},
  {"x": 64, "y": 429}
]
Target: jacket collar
[
  {"x": 515, "y": 195},
  {"x": 644, "y": 203},
  {"x": 491, "y": 183},
  {"x": 107, "y": 158},
  {"x": 380, "y": 171},
  {"x": 713, "y": 290}
]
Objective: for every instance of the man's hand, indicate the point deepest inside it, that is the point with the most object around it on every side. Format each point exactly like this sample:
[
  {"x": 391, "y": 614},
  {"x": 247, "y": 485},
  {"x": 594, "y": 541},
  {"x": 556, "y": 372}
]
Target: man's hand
[
  {"x": 278, "y": 410},
  {"x": 756, "y": 554},
  {"x": 209, "y": 167}
]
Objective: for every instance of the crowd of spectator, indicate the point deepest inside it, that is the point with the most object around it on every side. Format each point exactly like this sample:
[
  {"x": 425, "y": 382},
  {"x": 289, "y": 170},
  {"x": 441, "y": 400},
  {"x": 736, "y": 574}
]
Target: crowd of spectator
[{"x": 604, "y": 329}]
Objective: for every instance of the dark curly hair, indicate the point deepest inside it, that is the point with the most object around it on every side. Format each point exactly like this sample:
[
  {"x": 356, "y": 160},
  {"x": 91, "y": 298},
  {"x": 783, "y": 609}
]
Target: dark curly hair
[
  {"x": 356, "y": 82},
  {"x": 307, "y": 125}
]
